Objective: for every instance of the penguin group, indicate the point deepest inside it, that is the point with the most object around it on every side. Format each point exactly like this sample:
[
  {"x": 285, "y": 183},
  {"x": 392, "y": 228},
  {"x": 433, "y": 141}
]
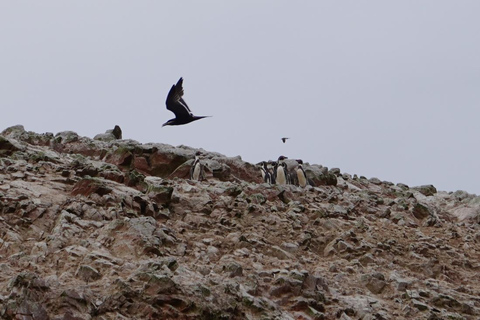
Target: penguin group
[
  {"x": 277, "y": 172},
  {"x": 273, "y": 172}
]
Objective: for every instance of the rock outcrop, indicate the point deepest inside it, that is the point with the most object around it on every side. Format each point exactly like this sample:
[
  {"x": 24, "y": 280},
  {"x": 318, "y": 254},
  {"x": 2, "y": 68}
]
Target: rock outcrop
[{"x": 111, "y": 229}]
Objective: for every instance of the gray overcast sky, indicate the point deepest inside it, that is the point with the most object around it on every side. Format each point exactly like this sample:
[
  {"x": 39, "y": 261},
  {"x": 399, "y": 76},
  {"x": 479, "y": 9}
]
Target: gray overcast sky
[{"x": 377, "y": 88}]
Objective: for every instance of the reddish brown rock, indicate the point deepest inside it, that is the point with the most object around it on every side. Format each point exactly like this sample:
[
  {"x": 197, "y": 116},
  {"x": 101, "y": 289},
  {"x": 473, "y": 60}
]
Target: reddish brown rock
[
  {"x": 120, "y": 157},
  {"x": 139, "y": 240},
  {"x": 140, "y": 163},
  {"x": 88, "y": 186},
  {"x": 162, "y": 164}
]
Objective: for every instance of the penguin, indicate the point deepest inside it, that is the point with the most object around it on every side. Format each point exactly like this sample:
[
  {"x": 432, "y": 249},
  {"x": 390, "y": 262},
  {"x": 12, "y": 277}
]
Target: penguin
[
  {"x": 282, "y": 174},
  {"x": 302, "y": 177},
  {"x": 262, "y": 171},
  {"x": 196, "y": 171},
  {"x": 274, "y": 171},
  {"x": 266, "y": 175},
  {"x": 281, "y": 167},
  {"x": 271, "y": 169},
  {"x": 292, "y": 177}
]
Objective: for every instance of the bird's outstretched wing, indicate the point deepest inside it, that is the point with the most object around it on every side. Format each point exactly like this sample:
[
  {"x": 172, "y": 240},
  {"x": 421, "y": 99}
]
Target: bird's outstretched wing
[{"x": 175, "y": 102}]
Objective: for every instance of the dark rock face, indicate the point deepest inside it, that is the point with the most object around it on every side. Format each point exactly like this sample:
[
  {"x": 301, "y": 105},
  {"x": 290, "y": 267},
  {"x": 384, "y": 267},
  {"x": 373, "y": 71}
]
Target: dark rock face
[
  {"x": 426, "y": 190},
  {"x": 7, "y": 148},
  {"x": 421, "y": 211},
  {"x": 112, "y": 229}
]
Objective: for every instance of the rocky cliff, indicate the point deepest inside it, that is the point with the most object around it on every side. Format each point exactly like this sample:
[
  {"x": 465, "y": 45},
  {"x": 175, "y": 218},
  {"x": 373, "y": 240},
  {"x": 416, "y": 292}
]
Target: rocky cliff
[{"x": 111, "y": 229}]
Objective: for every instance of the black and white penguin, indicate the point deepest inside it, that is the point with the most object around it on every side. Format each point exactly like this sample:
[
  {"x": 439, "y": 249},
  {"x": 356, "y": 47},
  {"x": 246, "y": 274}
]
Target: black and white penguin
[
  {"x": 262, "y": 171},
  {"x": 271, "y": 168},
  {"x": 281, "y": 171},
  {"x": 196, "y": 171},
  {"x": 292, "y": 177},
  {"x": 302, "y": 176},
  {"x": 282, "y": 174},
  {"x": 266, "y": 174}
]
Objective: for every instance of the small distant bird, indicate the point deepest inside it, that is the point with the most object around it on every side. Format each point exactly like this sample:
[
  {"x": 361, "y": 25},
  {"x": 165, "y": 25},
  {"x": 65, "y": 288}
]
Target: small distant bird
[
  {"x": 284, "y": 139},
  {"x": 196, "y": 171},
  {"x": 178, "y": 106}
]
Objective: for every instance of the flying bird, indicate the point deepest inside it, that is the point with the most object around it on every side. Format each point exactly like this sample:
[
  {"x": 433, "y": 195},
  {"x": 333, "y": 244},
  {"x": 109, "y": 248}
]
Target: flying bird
[
  {"x": 284, "y": 139},
  {"x": 178, "y": 106}
]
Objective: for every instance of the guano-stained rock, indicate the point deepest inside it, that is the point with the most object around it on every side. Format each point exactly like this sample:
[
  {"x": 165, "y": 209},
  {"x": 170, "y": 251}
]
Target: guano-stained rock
[{"x": 112, "y": 229}]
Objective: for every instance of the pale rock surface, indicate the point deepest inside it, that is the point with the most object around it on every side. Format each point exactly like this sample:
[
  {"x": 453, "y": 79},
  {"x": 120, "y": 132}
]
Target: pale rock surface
[{"x": 111, "y": 229}]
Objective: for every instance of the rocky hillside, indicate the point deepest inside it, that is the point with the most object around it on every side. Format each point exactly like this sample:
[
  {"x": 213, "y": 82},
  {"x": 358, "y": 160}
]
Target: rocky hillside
[{"x": 107, "y": 228}]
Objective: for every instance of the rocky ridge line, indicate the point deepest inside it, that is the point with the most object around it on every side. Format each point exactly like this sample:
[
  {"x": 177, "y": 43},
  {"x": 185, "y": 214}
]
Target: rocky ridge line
[{"x": 111, "y": 229}]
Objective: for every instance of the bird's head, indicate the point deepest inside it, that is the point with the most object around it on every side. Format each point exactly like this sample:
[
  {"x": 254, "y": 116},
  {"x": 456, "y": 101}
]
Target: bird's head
[
  {"x": 170, "y": 122},
  {"x": 197, "y": 155}
]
